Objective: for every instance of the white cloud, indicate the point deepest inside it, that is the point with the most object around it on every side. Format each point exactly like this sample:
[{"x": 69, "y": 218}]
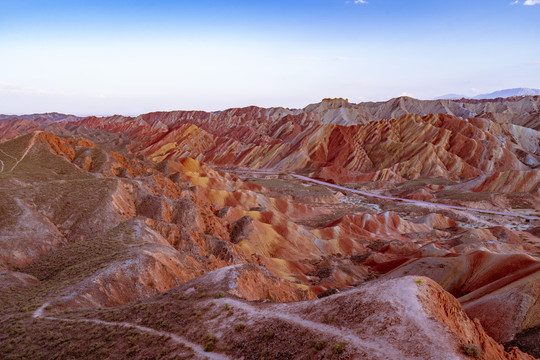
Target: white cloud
[
  {"x": 365, "y": 2},
  {"x": 531, "y": 2},
  {"x": 514, "y": 2}
]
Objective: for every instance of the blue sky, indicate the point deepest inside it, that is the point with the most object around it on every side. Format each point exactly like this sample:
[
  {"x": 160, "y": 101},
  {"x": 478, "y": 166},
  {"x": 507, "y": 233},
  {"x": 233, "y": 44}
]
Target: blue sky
[{"x": 130, "y": 57}]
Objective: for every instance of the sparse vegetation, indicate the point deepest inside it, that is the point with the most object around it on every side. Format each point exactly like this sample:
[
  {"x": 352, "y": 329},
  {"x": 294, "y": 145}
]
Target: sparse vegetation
[
  {"x": 339, "y": 348},
  {"x": 328, "y": 319},
  {"x": 23, "y": 338},
  {"x": 323, "y": 272},
  {"x": 473, "y": 350},
  {"x": 269, "y": 336},
  {"x": 239, "y": 327},
  {"x": 210, "y": 342},
  {"x": 463, "y": 195},
  {"x": 318, "y": 345},
  {"x": 219, "y": 294}
]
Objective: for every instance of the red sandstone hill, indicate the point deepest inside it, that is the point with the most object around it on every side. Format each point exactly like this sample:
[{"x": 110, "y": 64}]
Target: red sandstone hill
[
  {"x": 293, "y": 140},
  {"x": 324, "y": 138},
  {"x": 121, "y": 236}
]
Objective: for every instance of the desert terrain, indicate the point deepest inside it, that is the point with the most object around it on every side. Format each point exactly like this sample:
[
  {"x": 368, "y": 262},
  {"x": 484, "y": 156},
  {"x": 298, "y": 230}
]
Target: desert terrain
[{"x": 404, "y": 229}]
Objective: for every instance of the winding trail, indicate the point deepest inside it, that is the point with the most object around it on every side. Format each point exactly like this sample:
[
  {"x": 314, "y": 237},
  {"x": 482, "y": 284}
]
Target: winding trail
[
  {"x": 274, "y": 312},
  {"x": 2, "y": 168},
  {"x": 17, "y": 161},
  {"x": 11, "y": 156},
  {"x": 30, "y": 145},
  {"x": 197, "y": 349},
  {"x": 417, "y": 202}
]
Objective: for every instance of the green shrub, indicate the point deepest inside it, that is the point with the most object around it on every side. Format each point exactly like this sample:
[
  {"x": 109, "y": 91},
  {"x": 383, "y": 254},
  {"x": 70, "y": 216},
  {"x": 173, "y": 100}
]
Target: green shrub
[
  {"x": 219, "y": 294},
  {"x": 269, "y": 336},
  {"x": 239, "y": 327},
  {"x": 319, "y": 345},
  {"x": 339, "y": 348},
  {"x": 211, "y": 341}
]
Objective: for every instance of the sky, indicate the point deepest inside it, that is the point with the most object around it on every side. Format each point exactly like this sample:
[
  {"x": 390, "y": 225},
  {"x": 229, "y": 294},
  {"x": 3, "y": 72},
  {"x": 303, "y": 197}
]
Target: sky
[{"x": 104, "y": 57}]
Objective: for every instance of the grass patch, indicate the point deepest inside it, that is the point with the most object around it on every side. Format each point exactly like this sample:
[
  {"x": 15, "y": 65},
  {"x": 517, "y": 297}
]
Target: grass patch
[
  {"x": 210, "y": 342},
  {"x": 339, "y": 348},
  {"x": 77, "y": 261},
  {"x": 319, "y": 345}
]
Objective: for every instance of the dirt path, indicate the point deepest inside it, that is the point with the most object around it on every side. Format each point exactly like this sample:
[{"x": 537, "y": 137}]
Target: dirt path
[
  {"x": 32, "y": 142},
  {"x": 13, "y": 157},
  {"x": 417, "y": 202},
  {"x": 346, "y": 335},
  {"x": 197, "y": 349},
  {"x": 17, "y": 161}
]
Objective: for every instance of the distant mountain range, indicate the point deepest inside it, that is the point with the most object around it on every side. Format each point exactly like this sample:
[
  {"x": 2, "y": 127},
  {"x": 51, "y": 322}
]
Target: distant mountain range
[
  {"x": 336, "y": 111},
  {"x": 496, "y": 94},
  {"x": 44, "y": 117}
]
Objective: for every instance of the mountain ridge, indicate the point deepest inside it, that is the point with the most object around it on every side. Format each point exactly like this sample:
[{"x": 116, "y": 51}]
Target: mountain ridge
[
  {"x": 327, "y": 103},
  {"x": 505, "y": 93}
]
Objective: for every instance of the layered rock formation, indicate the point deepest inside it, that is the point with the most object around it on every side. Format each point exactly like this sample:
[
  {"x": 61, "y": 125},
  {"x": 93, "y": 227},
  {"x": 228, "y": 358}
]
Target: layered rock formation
[{"x": 101, "y": 215}]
